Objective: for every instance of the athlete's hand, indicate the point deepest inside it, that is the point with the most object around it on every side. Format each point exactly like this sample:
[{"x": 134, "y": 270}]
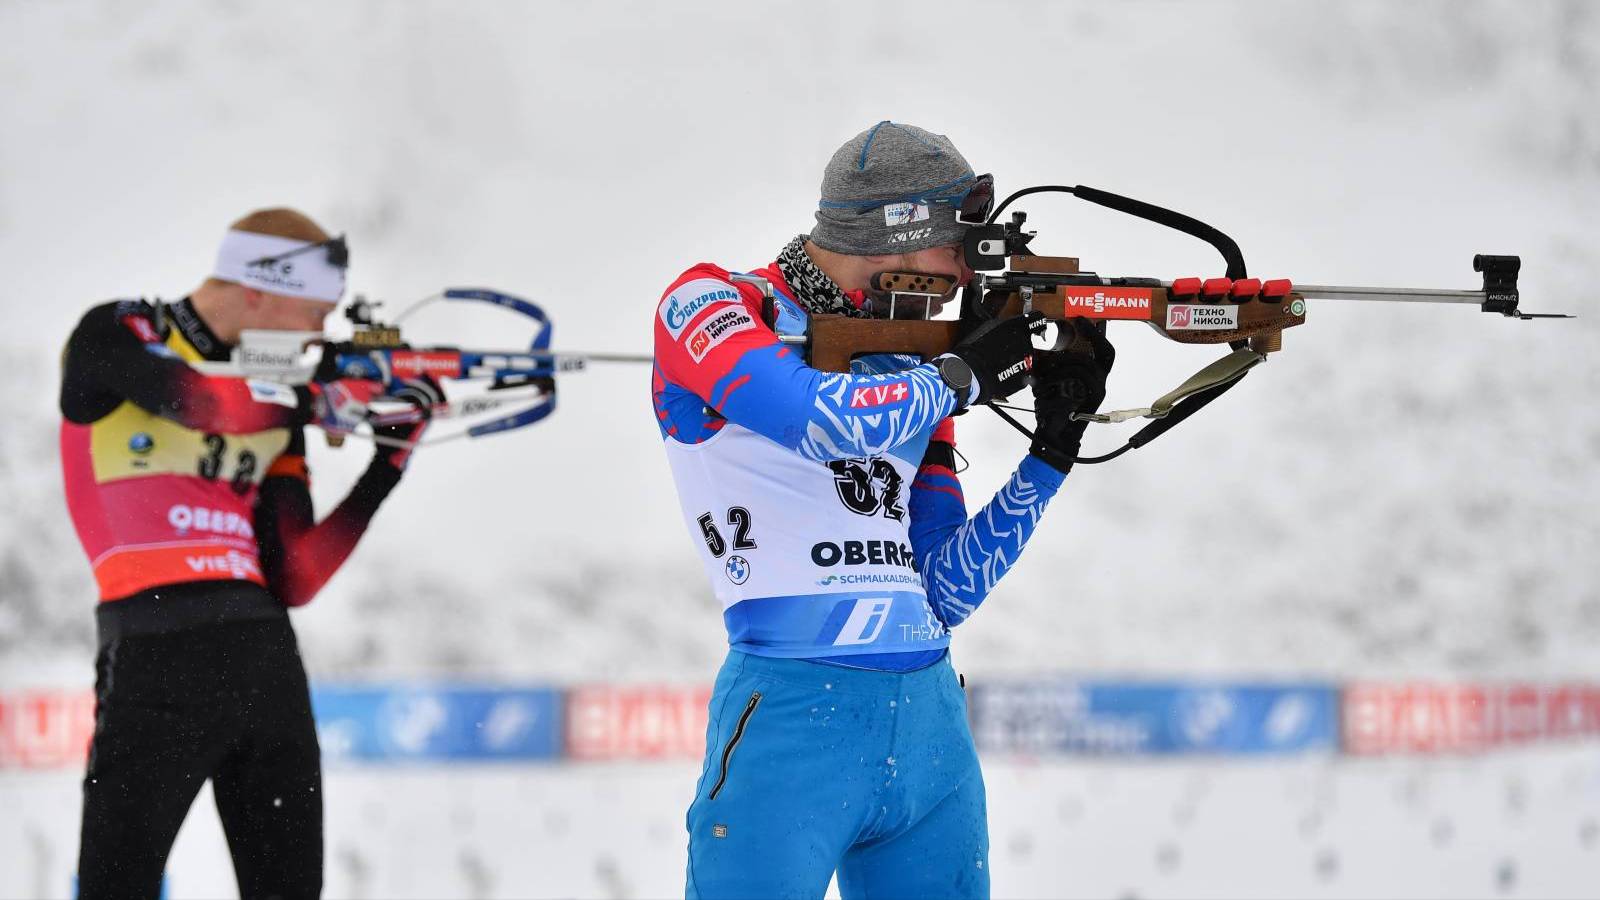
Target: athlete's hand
[
  {"x": 1000, "y": 354},
  {"x": 341, "y": 405},
  {"x": 399, "y": 433},
  {"x": 1066, "y": 382}
]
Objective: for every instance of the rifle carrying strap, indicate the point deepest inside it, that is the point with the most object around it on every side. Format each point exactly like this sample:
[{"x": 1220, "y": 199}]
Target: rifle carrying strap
[
  {"x": 1226, "y": 370},
  {"x": 1170, "y": 408}
]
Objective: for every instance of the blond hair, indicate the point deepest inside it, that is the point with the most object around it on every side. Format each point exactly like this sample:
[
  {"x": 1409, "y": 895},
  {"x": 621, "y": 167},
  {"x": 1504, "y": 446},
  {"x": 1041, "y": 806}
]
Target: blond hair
[{"x": 281, "y": 221}]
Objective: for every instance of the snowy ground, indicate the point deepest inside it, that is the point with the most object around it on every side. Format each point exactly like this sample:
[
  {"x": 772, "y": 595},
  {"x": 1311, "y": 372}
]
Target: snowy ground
[
  {"x": 1402, "y": 493},
  {"x": 1524, "y": 824}
]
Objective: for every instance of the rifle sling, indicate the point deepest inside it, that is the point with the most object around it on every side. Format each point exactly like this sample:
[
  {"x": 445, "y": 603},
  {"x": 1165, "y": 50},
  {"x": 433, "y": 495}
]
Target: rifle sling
[
  {"x": 1226, "y": 370},
  {"x": 1172, "y": 407}
]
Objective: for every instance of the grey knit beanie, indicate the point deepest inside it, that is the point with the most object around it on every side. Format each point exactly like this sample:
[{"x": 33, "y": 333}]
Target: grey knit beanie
[{"x": 881, "y": 192}]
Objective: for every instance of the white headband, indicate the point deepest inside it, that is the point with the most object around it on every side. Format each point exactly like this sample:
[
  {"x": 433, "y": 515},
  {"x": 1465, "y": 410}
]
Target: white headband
[{"x": 308, "y": 274}]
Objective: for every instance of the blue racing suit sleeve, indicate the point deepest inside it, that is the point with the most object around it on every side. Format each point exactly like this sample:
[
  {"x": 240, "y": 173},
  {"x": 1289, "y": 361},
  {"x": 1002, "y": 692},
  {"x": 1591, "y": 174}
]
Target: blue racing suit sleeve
[
  {"x": 960, "y": 559},
  {"x": 710, "y": 342},
  {"x": 937, "y": 504}
]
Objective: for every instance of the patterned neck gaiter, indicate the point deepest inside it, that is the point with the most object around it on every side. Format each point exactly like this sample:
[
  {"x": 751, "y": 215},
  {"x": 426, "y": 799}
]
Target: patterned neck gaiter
[{"x": 813, "y": 289}]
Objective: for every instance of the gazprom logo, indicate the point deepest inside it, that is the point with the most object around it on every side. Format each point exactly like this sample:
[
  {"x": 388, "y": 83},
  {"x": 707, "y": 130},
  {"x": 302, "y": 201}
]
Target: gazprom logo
[{"x": 677, "y": 312}]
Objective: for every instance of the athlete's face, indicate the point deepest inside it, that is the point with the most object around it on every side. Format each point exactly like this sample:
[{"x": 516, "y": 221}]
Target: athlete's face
[{"x": 280, "y": 312}]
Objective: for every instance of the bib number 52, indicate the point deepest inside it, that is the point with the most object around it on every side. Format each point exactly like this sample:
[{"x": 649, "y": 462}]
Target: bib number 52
[{"x": 739, "y": 520}]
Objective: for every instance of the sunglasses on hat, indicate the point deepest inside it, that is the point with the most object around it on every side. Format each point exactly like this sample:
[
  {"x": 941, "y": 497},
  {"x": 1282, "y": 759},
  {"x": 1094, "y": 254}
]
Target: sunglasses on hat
[
  {"x": 338, "y": 253},
  {"x": 977, "y": 203}
]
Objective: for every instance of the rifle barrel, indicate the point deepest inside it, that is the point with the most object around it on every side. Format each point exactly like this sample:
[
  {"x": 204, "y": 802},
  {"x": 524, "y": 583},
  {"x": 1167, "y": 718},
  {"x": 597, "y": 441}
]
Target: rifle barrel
[{"x": 1404, "y": 295}]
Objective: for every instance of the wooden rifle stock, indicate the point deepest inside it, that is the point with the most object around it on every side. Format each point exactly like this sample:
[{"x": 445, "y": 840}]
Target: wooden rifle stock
[
  {"x": 835, "y": 340},
  {"x": 1241, "y": 311}
]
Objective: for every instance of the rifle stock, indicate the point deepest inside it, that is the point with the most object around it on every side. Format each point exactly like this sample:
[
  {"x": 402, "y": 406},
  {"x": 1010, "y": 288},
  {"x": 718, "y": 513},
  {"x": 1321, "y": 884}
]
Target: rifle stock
[
  {"x": 1054, "y": 287},
  {"x": 835, "y": 340}
]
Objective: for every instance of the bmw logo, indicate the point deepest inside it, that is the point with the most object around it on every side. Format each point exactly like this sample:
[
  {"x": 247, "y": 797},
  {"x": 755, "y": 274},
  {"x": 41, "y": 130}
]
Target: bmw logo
[
  {"x": 141, "y": 443},
  {"x": 738, "y": 569}
]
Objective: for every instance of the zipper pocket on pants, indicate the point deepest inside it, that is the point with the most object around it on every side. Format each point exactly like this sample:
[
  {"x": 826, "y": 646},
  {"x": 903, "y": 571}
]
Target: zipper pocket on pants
[{"x": 733, "y": 742}]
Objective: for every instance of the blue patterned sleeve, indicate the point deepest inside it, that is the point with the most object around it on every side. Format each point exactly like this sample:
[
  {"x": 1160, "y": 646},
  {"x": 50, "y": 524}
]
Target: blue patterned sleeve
[
  {"x": 961, "y": 563},
  {"x": 938, "y": 507}
]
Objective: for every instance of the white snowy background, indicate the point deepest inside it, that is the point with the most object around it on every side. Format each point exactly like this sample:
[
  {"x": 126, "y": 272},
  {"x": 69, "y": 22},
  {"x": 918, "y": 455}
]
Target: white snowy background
[{"x": 1404, "y": 492}]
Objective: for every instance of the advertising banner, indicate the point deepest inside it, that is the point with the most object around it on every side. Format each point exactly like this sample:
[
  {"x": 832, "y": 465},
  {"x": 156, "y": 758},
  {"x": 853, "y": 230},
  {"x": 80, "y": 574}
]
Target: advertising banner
[
  {"x": 50, "y": 728},
  {"x": 640, "y": 722},
  {"x": 1069, "y": 716},
  {"x": 438, "y": 723},
  {"x": 1465, "y": 718},
  {"x": 46, "y": 729}
]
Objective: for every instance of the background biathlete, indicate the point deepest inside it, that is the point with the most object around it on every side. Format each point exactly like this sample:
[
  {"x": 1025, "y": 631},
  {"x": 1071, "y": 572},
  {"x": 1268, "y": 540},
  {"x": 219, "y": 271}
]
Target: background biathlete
[{"x": 191, "y": 497}]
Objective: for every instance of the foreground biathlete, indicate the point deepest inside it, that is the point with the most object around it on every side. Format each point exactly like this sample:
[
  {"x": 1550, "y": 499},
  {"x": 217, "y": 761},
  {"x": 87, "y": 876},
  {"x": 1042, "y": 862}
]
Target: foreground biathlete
[
  {"x": 831, "y": 523},
  {"x": 191, "y": 496}
]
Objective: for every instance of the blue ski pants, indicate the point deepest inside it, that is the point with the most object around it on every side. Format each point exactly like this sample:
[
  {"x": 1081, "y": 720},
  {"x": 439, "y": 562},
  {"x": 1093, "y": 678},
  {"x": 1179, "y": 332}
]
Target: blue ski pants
[{"x": 812, "y": 769}]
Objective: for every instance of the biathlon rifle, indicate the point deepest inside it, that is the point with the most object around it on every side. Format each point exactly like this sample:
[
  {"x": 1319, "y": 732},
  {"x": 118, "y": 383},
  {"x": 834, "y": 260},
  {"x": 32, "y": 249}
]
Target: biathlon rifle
[
  {"x": 494, "y": 391},
  {"x": 1246, "y": 313}
]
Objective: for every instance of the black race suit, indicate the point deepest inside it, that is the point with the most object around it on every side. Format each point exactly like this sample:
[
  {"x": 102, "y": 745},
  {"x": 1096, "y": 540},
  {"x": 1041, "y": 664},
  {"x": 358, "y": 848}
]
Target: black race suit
[{"x": 191, "y": 497}]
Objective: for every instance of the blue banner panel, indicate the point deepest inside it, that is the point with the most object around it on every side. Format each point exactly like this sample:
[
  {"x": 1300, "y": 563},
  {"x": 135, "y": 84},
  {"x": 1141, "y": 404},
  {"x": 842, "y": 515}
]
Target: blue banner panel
[
  {"x": 429, "y": 722},
  {"x": 1061, "y": 715}
]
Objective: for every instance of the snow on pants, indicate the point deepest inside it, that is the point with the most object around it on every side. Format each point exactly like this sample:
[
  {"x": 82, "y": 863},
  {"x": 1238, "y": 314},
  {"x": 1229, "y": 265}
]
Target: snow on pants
[
  {"x": 813, "y": 768},
  {"x": 227, "y": 702}
]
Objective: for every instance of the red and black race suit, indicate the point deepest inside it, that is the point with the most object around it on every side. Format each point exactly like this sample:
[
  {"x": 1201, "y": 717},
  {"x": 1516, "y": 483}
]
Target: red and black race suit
[{"x": 190, "y": 492}]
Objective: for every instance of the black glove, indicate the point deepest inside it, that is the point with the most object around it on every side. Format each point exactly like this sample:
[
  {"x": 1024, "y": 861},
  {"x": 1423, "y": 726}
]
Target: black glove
[
  {"x": 399, "y": 433},
  {"x": 1000, "y": 354},
  {"x": 1064, "y": 382}
]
